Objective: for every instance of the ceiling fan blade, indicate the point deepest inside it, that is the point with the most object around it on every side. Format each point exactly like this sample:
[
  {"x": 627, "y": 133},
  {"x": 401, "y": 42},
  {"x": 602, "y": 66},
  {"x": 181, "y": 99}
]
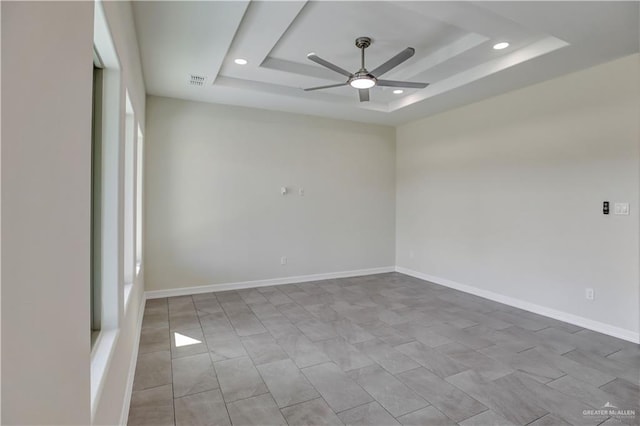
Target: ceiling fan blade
[
  {"x": 364, "y": 95},
  {"x": 325, "y": 87},
  {"x": 318, "y": 60},
  {"x": 407, "y": 84},
  {"x": 394, "y": 62}
]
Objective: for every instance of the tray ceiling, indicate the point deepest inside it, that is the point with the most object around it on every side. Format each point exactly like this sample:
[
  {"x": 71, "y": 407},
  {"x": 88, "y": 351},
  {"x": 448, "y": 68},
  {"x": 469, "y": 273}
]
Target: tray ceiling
[{"x": 453, "y": 41}]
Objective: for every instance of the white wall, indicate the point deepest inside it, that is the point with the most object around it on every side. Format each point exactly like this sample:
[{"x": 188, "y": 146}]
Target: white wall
[
  {"x": 214, "y": 210},
  {"x": 46, "y": 160},
  {"x": 47, "y": 55},
  {"x": 506, "y": 195}
]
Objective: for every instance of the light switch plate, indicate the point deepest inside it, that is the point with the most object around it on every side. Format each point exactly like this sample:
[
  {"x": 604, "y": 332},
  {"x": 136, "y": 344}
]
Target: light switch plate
[{"x": 621, "y": 208}]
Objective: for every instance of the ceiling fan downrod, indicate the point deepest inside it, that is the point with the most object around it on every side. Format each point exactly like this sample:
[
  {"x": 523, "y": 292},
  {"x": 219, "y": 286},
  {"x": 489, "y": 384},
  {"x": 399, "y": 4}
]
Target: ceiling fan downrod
[{"x": 362, "y": 43}]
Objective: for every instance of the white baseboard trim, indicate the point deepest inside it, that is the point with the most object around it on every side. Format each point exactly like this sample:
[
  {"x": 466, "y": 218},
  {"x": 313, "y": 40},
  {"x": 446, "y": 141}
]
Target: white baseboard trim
[
  {"x": 155, "y": 294},
  {"x": 126, "y": 404},
  {"x": 590, "y": 324}
]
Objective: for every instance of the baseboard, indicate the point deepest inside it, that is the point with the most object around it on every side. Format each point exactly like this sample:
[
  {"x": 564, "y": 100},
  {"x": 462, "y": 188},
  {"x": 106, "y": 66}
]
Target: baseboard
[
  {"x": 155, "y": 294},
  {"x": 126, "y": 404},
  {"x": 590, "y": 324}
]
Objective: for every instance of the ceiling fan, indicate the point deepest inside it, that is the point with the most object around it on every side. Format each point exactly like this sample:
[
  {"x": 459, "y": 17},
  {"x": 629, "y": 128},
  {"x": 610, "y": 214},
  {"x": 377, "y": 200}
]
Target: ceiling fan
[{"x": 363, "y": 80}]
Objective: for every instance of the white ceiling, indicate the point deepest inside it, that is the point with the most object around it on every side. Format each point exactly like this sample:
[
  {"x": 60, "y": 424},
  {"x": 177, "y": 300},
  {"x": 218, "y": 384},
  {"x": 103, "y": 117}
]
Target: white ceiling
[{"x": 453, "y": 43}]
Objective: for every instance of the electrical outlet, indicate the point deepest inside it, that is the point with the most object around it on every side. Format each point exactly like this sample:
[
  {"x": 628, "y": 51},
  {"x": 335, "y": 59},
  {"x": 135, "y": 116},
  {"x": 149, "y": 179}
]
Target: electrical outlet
[
  {"x": 590, "y": 294},
  {"x": 283, "y": 260}
]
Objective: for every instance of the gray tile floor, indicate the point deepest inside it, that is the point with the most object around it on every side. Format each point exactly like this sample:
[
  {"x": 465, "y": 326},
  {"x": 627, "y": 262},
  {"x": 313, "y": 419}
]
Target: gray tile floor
[{"x": 385, "y": 349}]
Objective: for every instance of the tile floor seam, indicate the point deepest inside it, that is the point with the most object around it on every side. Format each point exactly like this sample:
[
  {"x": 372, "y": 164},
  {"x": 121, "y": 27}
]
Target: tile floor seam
[
  {"x": 358, "y": 406},
  {"x": 613, "y": 353},
  {"x": 618, "y": 350},
  {"x": 209, "y": 353},
  {"x": 248, "y": 397},
  {"x": 610, "y": 381},
  {"x": 305, "y": 377},
  {"x": 196, "y": 393},
  {"x": 344, "y": 372},
  {"x": 441, "y": 378},
  {"x": 304, "y": 402},
  {"x": 473, "y": 415},
  {"x": 418, "y": 409},
  {"x": 152, "y": 387},
  {"x": 366, "y": 403},
  {"x": 430, "y": 406},
  {"x": 535, "y": 420},
  {"x": 173, "y": 392},
  {"x": 226, "y": 408}
]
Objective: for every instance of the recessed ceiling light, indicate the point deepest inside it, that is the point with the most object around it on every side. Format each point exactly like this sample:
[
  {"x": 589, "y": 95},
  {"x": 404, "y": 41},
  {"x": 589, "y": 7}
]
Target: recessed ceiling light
[
  {"x": 398, "y": 91},
  {"x": 501, "y": 45},
  {"x": 240, "y": 61}
]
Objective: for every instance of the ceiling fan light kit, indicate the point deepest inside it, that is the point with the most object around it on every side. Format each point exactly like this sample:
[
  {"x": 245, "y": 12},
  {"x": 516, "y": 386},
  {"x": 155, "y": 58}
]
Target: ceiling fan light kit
[{"x": 363, "y": 80}]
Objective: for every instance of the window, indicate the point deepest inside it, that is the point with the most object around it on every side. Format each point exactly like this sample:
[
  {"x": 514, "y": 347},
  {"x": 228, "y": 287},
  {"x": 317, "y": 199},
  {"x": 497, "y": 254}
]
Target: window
[
  {"x": 139, "y": 177},
  {"x": 106, "y": 204},
  {"x": 128, "y": 260},
  {"x": 96, "y": 198}
]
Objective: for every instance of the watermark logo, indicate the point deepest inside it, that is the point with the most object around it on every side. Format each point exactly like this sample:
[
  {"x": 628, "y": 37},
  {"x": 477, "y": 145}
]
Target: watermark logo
[{"x": 610, "y": 410}]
